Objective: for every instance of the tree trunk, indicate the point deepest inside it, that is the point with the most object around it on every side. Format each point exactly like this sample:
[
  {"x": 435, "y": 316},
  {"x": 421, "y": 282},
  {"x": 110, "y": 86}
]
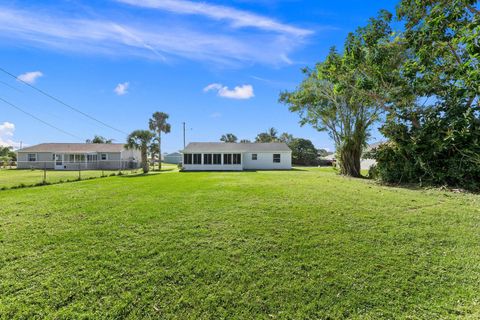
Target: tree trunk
[
  {"x": 145, "y": 165},
  {"x": 349, "y": 159},
  {"x": 160, "y": 151}
]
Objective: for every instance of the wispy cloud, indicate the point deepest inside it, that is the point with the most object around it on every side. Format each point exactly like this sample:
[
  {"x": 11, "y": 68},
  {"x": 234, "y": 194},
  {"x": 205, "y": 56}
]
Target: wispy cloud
[
  {"x": 6, "y": 135},
  {"x": 121, "y": 88},
  {"x": 237, "y": 18},
  {"x": 159, "y": 39},
  {"x": 30, "y": 77},
  {"x": 239, "y": 92},
  {"x": 215, "y": 115}
]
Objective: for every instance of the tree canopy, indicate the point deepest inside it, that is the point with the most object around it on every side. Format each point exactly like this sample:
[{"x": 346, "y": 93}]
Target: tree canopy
[
  {"x": 229, "y": 138},
  {"x": 99, "y": 139},
  {"x": 140, "y": 139}
]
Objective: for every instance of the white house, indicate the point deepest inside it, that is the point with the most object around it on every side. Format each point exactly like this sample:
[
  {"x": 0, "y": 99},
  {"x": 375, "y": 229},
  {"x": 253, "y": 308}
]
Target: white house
[
  {"x": 76, "y": 156},
  {"x": 236, "y": 156}
]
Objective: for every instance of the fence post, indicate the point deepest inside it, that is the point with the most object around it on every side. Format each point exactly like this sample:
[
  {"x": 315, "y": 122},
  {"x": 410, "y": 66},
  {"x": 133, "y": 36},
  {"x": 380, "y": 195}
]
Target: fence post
[
  {"x": 44, "y": 172},
  {"x": 79, "y": 171}
]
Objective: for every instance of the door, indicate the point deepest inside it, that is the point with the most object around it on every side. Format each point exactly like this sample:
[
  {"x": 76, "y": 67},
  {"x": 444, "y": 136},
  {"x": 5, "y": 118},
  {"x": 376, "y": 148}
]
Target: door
[{"x": 59, "y": 161}]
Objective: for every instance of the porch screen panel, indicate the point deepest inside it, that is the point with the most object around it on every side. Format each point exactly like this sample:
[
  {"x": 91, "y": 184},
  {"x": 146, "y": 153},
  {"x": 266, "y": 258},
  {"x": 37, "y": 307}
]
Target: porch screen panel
[{"x": 217, "y": 158}]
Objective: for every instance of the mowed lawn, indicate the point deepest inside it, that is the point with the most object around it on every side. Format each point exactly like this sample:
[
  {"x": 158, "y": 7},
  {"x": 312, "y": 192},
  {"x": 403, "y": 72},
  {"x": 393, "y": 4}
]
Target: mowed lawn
[
  {"x": 303, "y": 244},
  {"x": 25, "y": 177}
]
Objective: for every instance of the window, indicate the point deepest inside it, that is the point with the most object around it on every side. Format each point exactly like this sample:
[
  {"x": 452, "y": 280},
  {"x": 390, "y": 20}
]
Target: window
[
  {"x": 207, "y": 158},
  {"x": 103, "y": 156},
  {"x": 32, "y": 157},
  {"x": 71, "y": 158},
  {"x": 217, "y": 158},
  {"x": 197, "y": 158},
  {"x": 237, "y": 158},
  {"x": 254, "y": 156},
  {"x": 187, "y": 158},
  {"x": 276, "y": 157},
  {"x": 79, "y": 158},
  {"x": 227, "y": 158},
  {"x": 91, "y": 157}
]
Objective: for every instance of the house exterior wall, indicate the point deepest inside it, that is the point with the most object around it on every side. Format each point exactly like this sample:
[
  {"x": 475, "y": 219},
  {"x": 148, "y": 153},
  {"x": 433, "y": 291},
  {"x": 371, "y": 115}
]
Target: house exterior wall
[
  {"x": 44, "y": 160},
  {"x": 365, "y": 164},
  {"x": 265, "y": 161},
  {"x": 115, "y": 161},
  {"x": 173, "y": 159}
]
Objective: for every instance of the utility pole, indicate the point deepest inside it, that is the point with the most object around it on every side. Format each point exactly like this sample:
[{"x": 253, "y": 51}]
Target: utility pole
[{"x": 183, "y": 135}]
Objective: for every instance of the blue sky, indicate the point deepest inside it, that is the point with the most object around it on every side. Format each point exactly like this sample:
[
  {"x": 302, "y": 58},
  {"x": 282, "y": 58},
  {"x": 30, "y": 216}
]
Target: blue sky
[{"x": 217, "y": 65}]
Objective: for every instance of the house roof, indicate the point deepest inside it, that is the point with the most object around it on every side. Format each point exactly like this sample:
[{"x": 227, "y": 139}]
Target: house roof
[
  {"x": 235, "y": 147},
  {"x": 173, "y": 154},
  {"x": 75, "y": 147}
]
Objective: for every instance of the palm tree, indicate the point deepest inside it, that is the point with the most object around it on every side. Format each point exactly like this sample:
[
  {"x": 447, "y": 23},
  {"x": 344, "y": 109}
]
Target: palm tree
[
  {"x": 229, "y": 138},
  {"x": 158, "y": 124},
  {"x": 269, "y": 136},
  {"x": 140, "y": 139},
  {"x": 286, "y": 137},
  {"x": 272, "y": 132}
]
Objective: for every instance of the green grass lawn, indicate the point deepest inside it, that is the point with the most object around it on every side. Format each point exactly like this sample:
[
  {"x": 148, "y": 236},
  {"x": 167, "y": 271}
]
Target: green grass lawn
[
  {"x": 246, "y": 245},
  {"x": 12, "y": 177}
]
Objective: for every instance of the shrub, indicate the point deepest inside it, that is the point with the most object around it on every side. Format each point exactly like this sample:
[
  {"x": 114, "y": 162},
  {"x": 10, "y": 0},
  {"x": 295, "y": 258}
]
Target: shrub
[{"x": 444, "y": 150}]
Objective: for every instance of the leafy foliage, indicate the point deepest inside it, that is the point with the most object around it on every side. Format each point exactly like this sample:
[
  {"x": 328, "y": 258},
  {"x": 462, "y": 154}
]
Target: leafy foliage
[
  {"x": 348, "y": 92},
  {"x": 229, "y": 138},
  {"x": 140, "y": 139},
  {"x": 99, "y": 139},
  {"x": 303, "y": 152},
  {"x": 436, "y": 139}
]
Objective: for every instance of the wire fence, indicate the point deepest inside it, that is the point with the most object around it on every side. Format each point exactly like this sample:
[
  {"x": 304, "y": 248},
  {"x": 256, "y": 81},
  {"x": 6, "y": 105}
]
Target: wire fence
[{"x": 32, "y": 173}]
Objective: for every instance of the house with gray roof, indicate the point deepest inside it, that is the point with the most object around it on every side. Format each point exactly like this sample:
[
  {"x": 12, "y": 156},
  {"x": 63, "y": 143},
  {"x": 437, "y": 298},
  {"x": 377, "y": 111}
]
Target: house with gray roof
[
  {"x": 78, "y": 156},
  {"x": 221, "y": 156}
]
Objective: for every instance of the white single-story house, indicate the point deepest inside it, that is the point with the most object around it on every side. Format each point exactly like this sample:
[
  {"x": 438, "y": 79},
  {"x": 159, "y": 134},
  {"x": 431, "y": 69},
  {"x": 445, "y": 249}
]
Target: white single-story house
[
  {"x": 78, "y": 156},
  {"x": 173, "y": 158},
  {"x": 220, "y": 156}
]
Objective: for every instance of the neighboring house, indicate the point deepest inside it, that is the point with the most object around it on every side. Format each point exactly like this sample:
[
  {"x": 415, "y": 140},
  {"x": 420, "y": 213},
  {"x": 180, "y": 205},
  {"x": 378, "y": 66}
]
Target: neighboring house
[
  {"x": 173, "y": 158},
  {"x": 78, "y": 156},
  {"x": 366, "y": 163},
  {"x": 236, "y": 156}
]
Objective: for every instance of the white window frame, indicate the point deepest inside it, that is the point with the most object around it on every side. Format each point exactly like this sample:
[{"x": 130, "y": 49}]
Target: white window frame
[
  {"x": 104, "y": 154},
  {"x": 28, "y": 157},
  {"x": 254, "y": 156}
]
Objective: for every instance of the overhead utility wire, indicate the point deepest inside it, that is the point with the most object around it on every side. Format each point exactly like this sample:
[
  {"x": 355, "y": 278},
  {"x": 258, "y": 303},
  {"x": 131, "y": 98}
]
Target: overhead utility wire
[
  {"x": 61, "y": 102},
  {"x": 38, "y": 119}
]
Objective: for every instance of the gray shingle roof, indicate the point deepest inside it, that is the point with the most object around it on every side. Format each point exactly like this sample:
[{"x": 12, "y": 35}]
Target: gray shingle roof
[
  {"x": 235, "y": 147},
  {"x": 75, "y": 147}
]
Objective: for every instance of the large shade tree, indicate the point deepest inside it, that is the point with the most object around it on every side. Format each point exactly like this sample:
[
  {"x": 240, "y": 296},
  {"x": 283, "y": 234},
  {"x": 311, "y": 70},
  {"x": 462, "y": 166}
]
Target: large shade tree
[
  {"x": 436, "y": 140},
  {"x": 158, "y": 124},
  {"x": 347, "y": 93},
  {"x": 140, "y": 139},
  {"x": 303, "y": 152}
]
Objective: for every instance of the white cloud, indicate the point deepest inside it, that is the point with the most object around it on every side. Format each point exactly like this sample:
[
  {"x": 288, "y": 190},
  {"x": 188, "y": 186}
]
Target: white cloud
[
  {"x": 216, "y": 115},
  {"x": 122, "y": 88},
  {"x": 6, "y": 134},
  {"x": 30, "y": 77},
  {"x": 156, "y": 38},
  {"x": 239, "y": 92},
  {"x": 238, "y": 18}
]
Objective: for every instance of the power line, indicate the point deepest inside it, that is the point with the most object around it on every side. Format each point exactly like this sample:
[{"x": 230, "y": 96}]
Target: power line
[
  {"x": 38, "y": 119},
  {"x": 62, "y": 102}
]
